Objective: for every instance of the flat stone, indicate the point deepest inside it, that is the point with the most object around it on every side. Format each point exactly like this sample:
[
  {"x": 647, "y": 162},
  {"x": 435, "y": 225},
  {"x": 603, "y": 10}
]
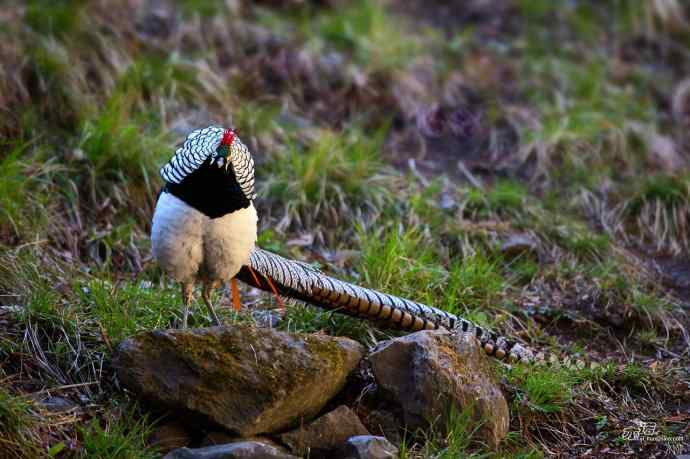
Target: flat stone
[
  {"x": 240, "y": 450},
  {"x": 223, "y": 438},
  {"x": 429, "y": 372},
  {"x": 249, "y": 380},
  {"x": 370, "y": 447},
  {"x": 326, "y": 434}
]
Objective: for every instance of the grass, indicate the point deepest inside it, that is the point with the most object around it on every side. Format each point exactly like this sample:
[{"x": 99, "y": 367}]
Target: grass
[
  {"x": 458, "y": 438},
  {"x": 398, "y": 262},
  {"x": 24, "y": 188},
  {"x": 544, "y": 390},
  {"x": 331, "y": 166},
  {"x": 365, "y": 30},
  {"x": 669, "y": 191},
  {"x": 376, "y": 38},
  {"x": 461, "y": 429},
  {"x": 119, "y": 438},
  {"x": 330, "y": 175},
  {"x": 153, "y": 76},
  {"x": 653, "y": 311},
  {"x": 658, "y": 210},
  {"x": 478, "y": 282},
  {"x": 453, "y": 440},
  {"x": 589, "y": 118},
  {"x": 113, "y": 143},
  {"x": 17, "y": 424},
  {"x": 54, "y": 18},
  {"x": 504, "y": 198},
  {"x": 128, "y": 307},
  {"x": 96, "y": 99},
  {"x": 308, "y": 319}
]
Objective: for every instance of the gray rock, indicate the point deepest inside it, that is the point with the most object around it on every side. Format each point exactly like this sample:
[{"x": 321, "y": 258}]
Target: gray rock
[
  {"x": 58, "y": 404},
  {"x": 326, "y": 434},
  {"x": 370, "y": 447},
  {"x": 240, "y": 450},
  {"x": 429, "y": 372},
  {"x": 249, "y": 380},
  {"x": 223, "y": 438},
  {"x": 518, "y": 244}
]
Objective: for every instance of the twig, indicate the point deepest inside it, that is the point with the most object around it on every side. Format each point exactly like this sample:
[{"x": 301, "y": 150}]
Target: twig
[{"x": 469, "y": 176}]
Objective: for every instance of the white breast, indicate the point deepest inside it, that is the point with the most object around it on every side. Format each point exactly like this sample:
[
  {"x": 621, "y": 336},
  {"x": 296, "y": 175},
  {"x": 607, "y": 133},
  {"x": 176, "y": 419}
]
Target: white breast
[
  {"x": 228, "y": 241},
  {"x": 188, "y": 244}
]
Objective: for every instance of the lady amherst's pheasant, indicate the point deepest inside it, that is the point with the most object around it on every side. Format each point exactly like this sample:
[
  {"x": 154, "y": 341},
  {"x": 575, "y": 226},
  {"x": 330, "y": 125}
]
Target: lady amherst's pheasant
[{"x": 205, "y": 227}]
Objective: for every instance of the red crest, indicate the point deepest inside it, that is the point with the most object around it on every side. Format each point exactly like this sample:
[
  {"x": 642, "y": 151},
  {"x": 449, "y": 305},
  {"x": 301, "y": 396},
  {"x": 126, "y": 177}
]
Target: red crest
[{"x": 228, "y": 137}]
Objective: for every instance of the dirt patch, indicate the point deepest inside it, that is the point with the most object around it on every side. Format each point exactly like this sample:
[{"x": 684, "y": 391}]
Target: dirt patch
[
  {"x": 675, "y": 274},
  {"x": 452, "y": 140},
  {"x": 488, "y": 18}
]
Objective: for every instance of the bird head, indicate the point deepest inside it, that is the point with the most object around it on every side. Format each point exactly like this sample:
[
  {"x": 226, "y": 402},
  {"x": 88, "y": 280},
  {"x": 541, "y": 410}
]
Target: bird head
[
  {"x": 232, "y": 152},
  {"x": 217, "y": 148},
  {"x": 225, "y": 149}
]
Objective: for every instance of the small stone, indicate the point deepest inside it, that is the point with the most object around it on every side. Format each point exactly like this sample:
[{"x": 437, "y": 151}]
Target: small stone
[
  {"x": 517, "y": 244},
  {"x": 325, "y": 434},
  {"x": 170, "y": 436},
  {"x": 370, "y": 447},
  {"x": 241, "y": 450},
  {"x": 58, "y": 404}
]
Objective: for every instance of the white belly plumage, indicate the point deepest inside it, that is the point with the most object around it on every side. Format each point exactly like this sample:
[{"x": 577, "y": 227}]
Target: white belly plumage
[{"x": 189, "y": 245}]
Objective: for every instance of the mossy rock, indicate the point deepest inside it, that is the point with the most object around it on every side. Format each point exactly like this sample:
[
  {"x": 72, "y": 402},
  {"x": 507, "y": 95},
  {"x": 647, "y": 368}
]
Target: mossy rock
[
  {"x": 428, "y": 373},
  {"x": 249, "y": 380}
]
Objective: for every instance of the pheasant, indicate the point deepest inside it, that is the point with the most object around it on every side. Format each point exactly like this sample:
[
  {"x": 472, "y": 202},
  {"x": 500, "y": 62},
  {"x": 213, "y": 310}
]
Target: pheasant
[
  {"x": 205, "y": 224},
  {"x": 205, "y": 229}
]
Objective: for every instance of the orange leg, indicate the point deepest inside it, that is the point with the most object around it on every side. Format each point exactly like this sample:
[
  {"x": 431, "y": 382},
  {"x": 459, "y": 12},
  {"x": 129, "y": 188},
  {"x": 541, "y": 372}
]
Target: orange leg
[
  {"x": 273, "y": 289},
  {"x": 256, "y": 279},
  {"x": 235, "y": 294}
]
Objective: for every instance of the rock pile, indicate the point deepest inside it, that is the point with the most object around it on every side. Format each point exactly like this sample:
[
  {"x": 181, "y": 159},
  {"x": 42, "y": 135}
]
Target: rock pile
[{"x": 248, "y": 392}]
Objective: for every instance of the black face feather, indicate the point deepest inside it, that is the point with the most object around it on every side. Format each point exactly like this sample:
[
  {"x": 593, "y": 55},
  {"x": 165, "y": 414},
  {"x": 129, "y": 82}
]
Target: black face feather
[{"x": 211, "y": 190}]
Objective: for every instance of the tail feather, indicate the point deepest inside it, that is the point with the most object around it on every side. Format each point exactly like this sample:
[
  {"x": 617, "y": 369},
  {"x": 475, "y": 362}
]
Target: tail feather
[{"x": 301, "y": 281}]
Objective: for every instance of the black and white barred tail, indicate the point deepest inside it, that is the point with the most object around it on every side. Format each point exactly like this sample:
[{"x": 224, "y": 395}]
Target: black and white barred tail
[{"x": 300, "y": 281}]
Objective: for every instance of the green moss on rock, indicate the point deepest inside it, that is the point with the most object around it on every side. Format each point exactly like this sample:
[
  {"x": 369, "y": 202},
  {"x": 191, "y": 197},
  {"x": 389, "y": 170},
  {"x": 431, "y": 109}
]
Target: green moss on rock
[{"x": 250, "y": 380}]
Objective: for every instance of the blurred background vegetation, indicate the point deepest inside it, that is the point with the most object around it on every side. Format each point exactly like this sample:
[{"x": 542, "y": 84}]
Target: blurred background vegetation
[{"x": 523, "y": 163}]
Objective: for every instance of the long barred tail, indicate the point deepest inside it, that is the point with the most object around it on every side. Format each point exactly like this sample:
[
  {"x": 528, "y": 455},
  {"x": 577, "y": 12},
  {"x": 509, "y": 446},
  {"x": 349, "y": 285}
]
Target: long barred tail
[{"x": 300, "y": 281}]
